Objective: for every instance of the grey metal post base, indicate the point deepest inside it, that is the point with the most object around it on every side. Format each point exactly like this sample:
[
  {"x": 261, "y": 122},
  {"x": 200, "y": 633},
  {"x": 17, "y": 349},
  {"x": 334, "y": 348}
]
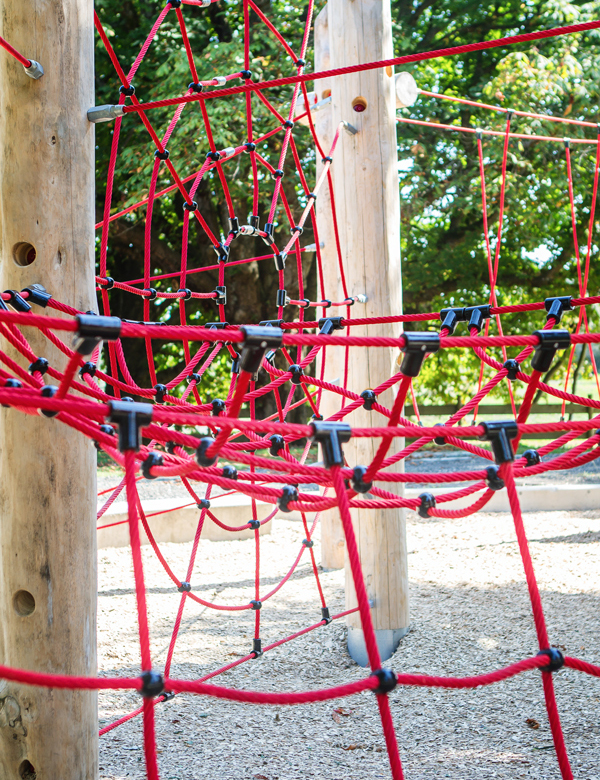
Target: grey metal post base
[{"x": 387, "y": 642}]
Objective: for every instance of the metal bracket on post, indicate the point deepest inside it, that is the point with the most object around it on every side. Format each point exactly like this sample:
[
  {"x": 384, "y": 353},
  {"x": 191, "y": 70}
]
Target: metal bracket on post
[
  {"x": 34, "y": 71},
  {"x": 104, "y": 113}
]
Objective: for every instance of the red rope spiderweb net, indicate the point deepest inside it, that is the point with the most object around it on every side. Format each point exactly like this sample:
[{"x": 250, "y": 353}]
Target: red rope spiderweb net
[{"x": 169, "y": 451}]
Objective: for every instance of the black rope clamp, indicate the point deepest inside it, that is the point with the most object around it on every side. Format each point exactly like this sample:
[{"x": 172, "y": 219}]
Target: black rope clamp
[
  {"x": 271, "y": 323},
  {"x": 427, "y": 502},
  {"x": 369, "y": 398},
  {"x": 439, "y": 440},
  {"x": 387, "y": 680},
  {"x": 556, "y": 307},
  {"x": 358, "y": 480},
  {"x": 268, "y": 230},
  {"x": 221, "y": 297},
  {"x": 279, "y": 260},
  {"x": 256, "y": 648},
  {"x": 512, "y": 367},
  {"x": 245, "y": 74},
  {"x": 196, "y": 86},
  {"x": 550, "y": 341},
  {"x": 256, "y": 342},
  {"x": 450, "y": 318},
  {"x": 193, "y": 377},
  {"x": 289, "y": 493},
  {"x": 191, "y": 207},
  {"x": 152, "y": 682},
  {"x": 493, "y": 479},
  {"x": 234, "y": 226},
  {"x": 235, "y": 364},
  {"x": 328, "y": 324},
  {"x": 222, "y": 251},
  {"x": 282, "y": 297},
  {"x": 325, "y": 616},
  {"x": 185, "y": 587},
  {"x": 130, "y": 417},
  {"x": 532, "y": 457},
  {"x": 92, "y": 329},
  {"x": 499, "y": 434},
  {"x": 164, "y": 155},
  {"x": 218, "y": 406},
  {"x": 204, "y": 503},
  {"x": 331, "y": 436},
  {"x": 127, "y": 91},
  {"x": 229, "y": 472},
  {"x": 17, "y": 301},
  {"x": 256, "y": 604},
  {"x": 300, "y": 63},
  {"x": 109, "y": 282},
  {"x": 88, "y": 368},
  {"x": 161, "y": 391},
  {"x": 288, "y": 124},
  {"x": 49, "y": 391},
  {"x": 555, "y": 657},
  {"x": 214, "y": 156},
  {"x": 308, "y": 543},
  {"x": 108, "y": 430},
  {"x": 187, "y": 293},
  {"x": 153, "y": 459},
  {"x": 40, "y": 365},
  {"x": 152, "y": 293},
  {"x": 202, "y": 459},
  {"x": 277, "y": 174},
  {"x": 37, "y": 294},
  {"x": 13, "y": 384},
  {"x": 254, "y": 524},
  {"x": 297, "y": 374},
  {"x": 416, "y": 346},
  {"x": 277, "y": 444},
  {"x": 476, "y": 315}
]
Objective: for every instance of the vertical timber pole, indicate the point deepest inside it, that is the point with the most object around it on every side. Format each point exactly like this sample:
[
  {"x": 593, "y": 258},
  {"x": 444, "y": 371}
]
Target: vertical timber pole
[
  {"x": 48, "y": 581},
  {"x": 366, "y": 190}
]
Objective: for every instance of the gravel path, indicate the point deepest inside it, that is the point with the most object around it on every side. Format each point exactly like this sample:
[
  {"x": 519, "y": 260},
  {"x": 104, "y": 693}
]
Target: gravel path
[{"x": 470, "y": 614}]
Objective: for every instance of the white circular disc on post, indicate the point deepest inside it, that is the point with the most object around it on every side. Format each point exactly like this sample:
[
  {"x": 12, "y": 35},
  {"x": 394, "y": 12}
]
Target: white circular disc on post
[{"x": 407, "y": 91}]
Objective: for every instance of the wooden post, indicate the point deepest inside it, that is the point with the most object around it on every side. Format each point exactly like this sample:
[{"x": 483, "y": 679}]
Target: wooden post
[
  {"x": 48, "y": 582},
  {"x": 365, "y": 177}
]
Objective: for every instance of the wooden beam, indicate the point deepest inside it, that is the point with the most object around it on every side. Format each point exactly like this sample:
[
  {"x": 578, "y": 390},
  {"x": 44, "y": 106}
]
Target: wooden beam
[
  {"x": 366, "y": 189},
  {"x": 48, "y": 582}
]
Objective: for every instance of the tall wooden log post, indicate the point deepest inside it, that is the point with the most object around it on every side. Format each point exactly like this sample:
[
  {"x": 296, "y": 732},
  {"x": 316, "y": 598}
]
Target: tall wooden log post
[
  {"x": 366, "y": 190},
  {"x": 48, "y": 582}
]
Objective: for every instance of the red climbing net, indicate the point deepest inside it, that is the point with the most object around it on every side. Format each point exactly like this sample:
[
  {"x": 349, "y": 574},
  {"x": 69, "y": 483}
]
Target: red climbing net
[{"x": 153, "y": 437}]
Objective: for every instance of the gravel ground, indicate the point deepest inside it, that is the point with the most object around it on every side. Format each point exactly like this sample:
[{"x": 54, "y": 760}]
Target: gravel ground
[{"x": 470, "y": 614}]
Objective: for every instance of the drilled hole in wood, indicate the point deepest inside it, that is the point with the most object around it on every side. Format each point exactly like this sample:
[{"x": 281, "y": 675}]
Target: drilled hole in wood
[
  {"x": 27, "y": 771},
  {"x": 24, "y": 253},
  {"x": 359, "y": 104},
  {"x": 24, "y": 603}
]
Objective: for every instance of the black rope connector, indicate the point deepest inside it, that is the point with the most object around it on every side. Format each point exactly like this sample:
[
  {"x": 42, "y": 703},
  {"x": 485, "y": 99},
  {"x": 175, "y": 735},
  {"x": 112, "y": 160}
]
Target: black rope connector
[
  {"x": 512, "y": 367},
  {"x": 327, "y": 159},
  {"x": 387, "y": 680},
  {"x": 493, "y": 479},
  {"x": 277, "y": 174},
  {"x": 555, "y": 657},
  {"x": 214, "y": 156},
  {"x": 152, "y": 682},
  {"x": 234, "y": 226},
  {"x": 288, "y": 493},
  {"x": 477, "y": 315},
  {"x": 499, "y": 435},
  {"x": 331, "y": 436},
  {"x": 193, "y": 206},
  {"x": 308, "y": 543},
  {"x": 328, "y": 324},
  {"x": 196, "y": 86},
  {"x": 193, "y": 377},
  {"x": 325, "y": 616},
  {"x": 450, "y": 317},
  {"x": 358, "y": 481},
  {"x": 254, "y": 524},
  {"x": 300, "y": 63},
  {"x": 130, "y": 417},
  {"x": 202, "y": 458},
  {"x": 40, "y": 365},
  {"x": 439, "y": 440},
  {"x": 271, "y": 323},
  {"x": 256, "y": 342},
  {"x": 282, "y": 298},
  {"x": 109, "y": 283},
  {"x": 556, "y": 307},
  {"x": 108, "y": 430},
  {"x": 92, "y": 329},
  {"x": 277, "y": 444},
  {"x": 550, "y": 341},
  {"x": 532, "y": 457},
  {"x": 17, "y": 301},
  {"x": 229, "y": 472},
  {"x": 222, "y": 251},
  {"x": 297, "y": 374},
  {"x": 256, "y": 648},
  {"x": 221, "y": 297},
  {"x": 251, "y": 147},
  {"x": 37, "y": 294},
  {"x": 246, "y": 74},
  {"x": 187, "y": 293},
  {"x": 13, "y": 384},
  {"x": 427, "y": 502},
  {"x": 288, "y": 124},
  {"x": 185, "y": 587},
  {"x": 204, "y": 503},
  {"x": 153, "y": 459},
  {"x": 256, "y": 604},
  {"x": 316, "y": 417},
  {"x": 127, "y": 91},
  {"x": 369, "y": 398},
  {"x": 88, "y": 368},
  {"x": 235, "y": 364},
  {"x": 279, "y": 260},
  {"x": 218, "y": 406},
  {"x": 164, "y": 155},
  {"x": 49, "y": 391},
  {"x": 416, "y": 346},
  {"x": 161, "y": 391},
  {"x": 152, "y": 293}
]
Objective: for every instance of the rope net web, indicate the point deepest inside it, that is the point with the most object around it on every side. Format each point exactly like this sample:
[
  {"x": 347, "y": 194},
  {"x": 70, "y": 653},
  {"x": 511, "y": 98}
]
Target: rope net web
[{"x": 157, "y": 435}]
